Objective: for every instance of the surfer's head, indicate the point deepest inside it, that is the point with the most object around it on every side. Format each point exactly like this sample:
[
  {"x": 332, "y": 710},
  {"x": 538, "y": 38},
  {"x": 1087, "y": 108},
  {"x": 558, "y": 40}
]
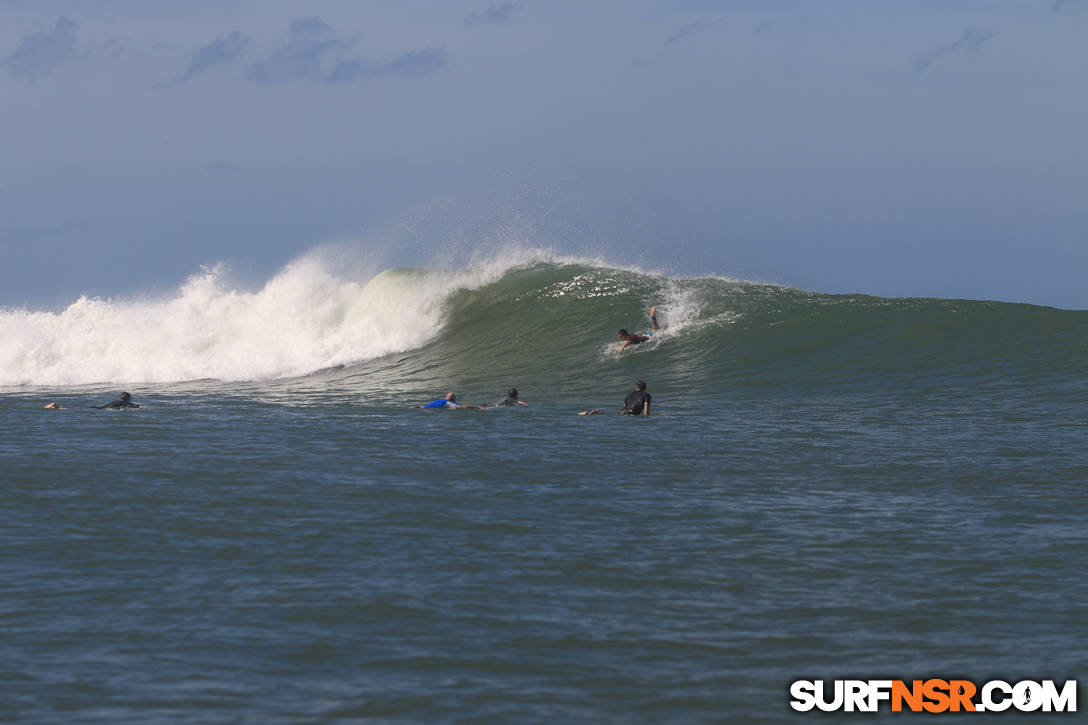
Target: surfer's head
[
  {"x": 512, "y": 393},
  {"x": 451, "y": 397},
  {"x": 623, "y": 333},
  {"x": 640, "y": 385},
  {"x": 125, "y": 398}
]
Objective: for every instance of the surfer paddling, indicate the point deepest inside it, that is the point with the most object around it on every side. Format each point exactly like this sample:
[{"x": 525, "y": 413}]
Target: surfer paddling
[
  {"x": 634, "y": 339},
  {"x": 122, "y": 403},
  {"x": 510, "y": 400},
  {"x": 448, "y": 403},
  {"x": 637, "y": 402},
  {"x": 629, "y": 338}
]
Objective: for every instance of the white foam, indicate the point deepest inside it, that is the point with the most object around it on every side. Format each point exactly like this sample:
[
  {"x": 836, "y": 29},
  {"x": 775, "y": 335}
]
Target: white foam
[{"x": 304, "y": 319}]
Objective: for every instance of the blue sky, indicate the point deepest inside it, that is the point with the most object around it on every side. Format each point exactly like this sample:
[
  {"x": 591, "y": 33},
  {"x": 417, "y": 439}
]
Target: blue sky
[{"x": 911, "y": 148}]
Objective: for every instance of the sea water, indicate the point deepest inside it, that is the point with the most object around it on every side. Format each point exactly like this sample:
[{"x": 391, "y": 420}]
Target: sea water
[{"x": 828, "y": 487}]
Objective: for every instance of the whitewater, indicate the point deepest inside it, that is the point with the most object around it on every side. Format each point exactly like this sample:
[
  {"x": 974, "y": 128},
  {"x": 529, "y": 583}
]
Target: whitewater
[{"x": 304, "y": 319}]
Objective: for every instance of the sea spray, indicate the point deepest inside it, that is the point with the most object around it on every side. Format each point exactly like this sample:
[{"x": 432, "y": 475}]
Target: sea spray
[{"x": 305, "y": 318}]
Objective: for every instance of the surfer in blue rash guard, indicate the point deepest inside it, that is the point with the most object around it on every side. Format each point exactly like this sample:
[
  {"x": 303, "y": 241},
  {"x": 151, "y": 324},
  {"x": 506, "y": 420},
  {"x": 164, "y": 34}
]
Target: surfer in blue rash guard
[{"x": 447, "y": 403}]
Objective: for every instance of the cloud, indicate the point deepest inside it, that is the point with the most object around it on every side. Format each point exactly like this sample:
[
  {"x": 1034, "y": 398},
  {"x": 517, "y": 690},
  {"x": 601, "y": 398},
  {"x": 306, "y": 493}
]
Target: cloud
[
  {"x": 971, "y": 41},
  {"x": 352, "y": 70},
  {"x": 414, "y": 64},
  {"x": 498, "y": 13},
  {"x": 687, "y": 31},
  {"x": 681, "y": 35},
  {"x": 39, "y": 55},
  {"x": 116, "y": 46},
  {"x": 1057, "y": 5},
  {"x": 417, "y": 63},
  {"x": 312, "y": 43},
  {"x": 224, "y": 49},
  {"x": 302, "y": 57}
]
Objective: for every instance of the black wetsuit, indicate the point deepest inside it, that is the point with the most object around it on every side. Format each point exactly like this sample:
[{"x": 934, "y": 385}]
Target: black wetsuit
[
  {"x": 635, "y": 402},
  {"x": 119, "y": 404},
  {"x": 507, "y": 402}
]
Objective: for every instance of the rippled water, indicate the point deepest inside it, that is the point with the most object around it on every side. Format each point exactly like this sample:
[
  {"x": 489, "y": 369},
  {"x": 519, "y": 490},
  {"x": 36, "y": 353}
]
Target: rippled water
[{"x": 289, "y": 554}]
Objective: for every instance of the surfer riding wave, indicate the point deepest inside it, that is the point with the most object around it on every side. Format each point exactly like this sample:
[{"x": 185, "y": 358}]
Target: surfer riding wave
[{"x": 634, "y": 339}]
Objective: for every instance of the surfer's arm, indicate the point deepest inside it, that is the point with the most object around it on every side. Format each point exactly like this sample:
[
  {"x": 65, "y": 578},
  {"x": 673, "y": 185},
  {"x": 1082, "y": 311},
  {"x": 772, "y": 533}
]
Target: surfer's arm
[
  {"x": 646, "y": 408},
  {"x": 522, "y": 402}
]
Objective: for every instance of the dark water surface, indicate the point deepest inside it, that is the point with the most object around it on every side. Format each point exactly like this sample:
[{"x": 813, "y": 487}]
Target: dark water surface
[{"x": 206, "y": 562}]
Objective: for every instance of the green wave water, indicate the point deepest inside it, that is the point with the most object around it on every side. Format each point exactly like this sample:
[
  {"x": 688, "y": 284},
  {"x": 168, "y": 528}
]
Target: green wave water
[{"x": 556, "y": 326}]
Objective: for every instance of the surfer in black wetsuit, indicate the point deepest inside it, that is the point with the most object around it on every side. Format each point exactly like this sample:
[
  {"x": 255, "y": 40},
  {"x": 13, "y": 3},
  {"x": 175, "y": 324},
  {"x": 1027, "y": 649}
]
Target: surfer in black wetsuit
[
  {"x": 637, "y": 402},
  {"x": 122, "y": 403},
  {"x": 510, "y": 400}
]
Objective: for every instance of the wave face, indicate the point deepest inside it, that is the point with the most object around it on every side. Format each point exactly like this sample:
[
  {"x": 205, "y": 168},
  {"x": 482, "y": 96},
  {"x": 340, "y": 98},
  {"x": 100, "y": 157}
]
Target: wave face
[{"x": 534, "y": 319}]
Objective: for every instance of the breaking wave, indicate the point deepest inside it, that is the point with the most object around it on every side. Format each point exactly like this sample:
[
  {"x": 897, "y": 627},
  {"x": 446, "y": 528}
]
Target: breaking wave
[{"x": 528, "y": 315}]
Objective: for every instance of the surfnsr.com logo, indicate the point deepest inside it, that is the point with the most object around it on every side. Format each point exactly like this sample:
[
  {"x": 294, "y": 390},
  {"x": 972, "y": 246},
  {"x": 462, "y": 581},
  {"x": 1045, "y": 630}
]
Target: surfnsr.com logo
[{"x": 933, "y": 695}]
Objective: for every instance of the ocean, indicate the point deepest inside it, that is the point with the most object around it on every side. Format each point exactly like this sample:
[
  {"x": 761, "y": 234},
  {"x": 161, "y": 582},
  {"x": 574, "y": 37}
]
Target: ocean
[{"x": 828, "y": 487}]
